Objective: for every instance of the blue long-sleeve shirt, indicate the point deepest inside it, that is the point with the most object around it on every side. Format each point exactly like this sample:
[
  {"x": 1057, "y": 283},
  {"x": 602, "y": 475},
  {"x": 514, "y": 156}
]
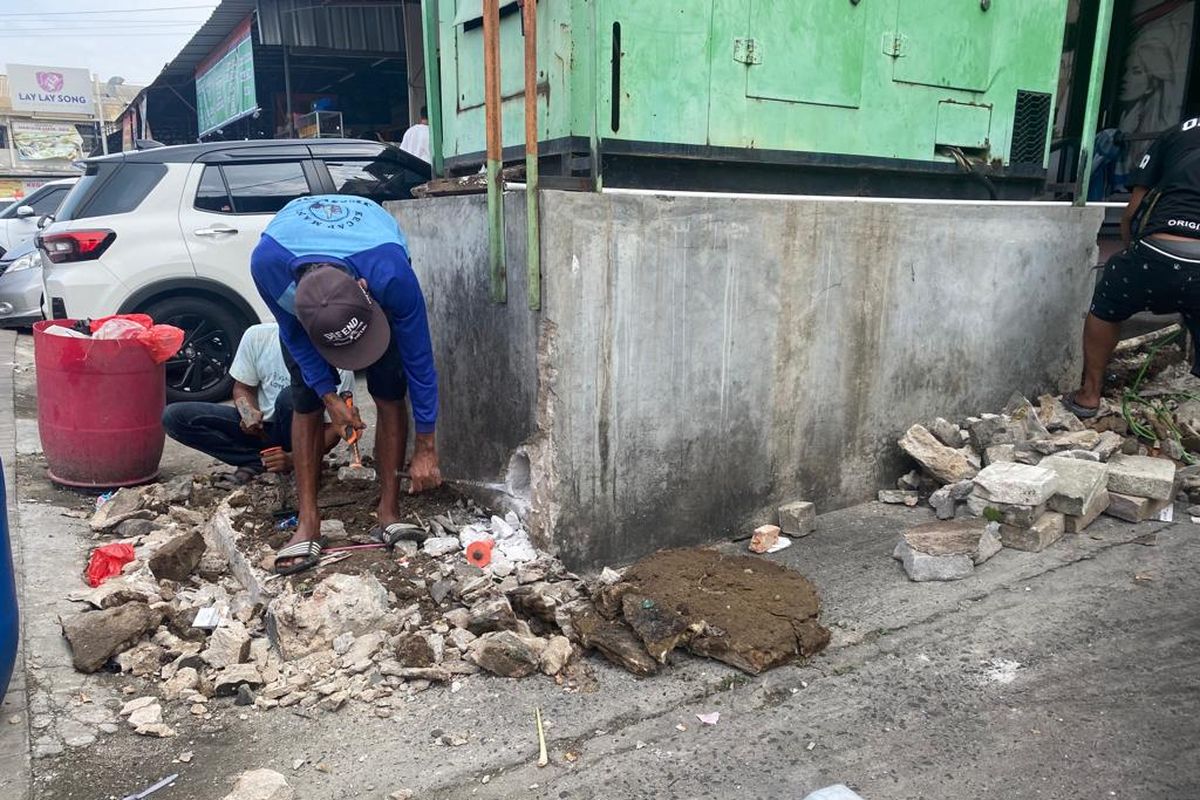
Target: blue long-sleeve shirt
[{"x": 359, "y": 235}]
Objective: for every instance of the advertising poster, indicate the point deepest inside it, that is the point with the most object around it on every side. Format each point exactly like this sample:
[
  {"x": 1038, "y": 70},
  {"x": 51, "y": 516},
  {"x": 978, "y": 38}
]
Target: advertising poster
[
  {"x": 225, "y": 82},
  {"x": 55, "y": 89},
  {"x": 42, "y": 141}
]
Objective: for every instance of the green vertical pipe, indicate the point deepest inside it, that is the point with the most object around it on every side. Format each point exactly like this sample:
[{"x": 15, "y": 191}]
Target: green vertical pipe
[
  {"x": 1091, "y": 111},
  {"x": 433, "y": 83},
  {"x": 533, "y": 240}
]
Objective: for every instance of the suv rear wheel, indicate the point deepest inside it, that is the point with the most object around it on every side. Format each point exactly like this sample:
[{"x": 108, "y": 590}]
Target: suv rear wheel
[{"x": 200, "y": 370}]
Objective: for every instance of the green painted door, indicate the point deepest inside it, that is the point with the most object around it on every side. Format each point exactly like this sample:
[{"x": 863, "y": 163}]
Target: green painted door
[
  {"x": 808, "y": 52},
  {"x": 946, "y": 43}
]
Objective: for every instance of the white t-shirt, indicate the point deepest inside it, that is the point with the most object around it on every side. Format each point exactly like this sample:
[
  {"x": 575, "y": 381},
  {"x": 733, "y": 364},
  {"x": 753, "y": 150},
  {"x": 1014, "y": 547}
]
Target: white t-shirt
[
  {"x": 259, "y": 362},
  {"x": 416, "y": 141}
]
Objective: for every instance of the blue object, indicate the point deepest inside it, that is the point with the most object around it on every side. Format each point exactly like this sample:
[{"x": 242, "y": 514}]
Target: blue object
[
  {"x": 288, "y": 523},
  {"x": 9, "y": 618},
  {"x": 359, "y": 235}
]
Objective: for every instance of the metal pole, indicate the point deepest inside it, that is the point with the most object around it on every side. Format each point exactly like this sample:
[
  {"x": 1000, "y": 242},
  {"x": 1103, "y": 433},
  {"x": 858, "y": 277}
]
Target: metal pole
[
  {"x": 287, "y": 94},
  {"x": 533, "y": 241},
  {"x": 491, "y": 97},
  {"x": 1091, "y": 111},
  {"x": 433, "y": 84}
]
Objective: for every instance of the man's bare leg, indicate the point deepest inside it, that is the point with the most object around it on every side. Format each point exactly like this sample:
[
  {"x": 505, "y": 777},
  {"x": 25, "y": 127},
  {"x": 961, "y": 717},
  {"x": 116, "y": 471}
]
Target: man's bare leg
[
  {"x": 308, "y": 446},
  {"x": 391, "y": 443},
  {"x": 1099, "y": 340}
]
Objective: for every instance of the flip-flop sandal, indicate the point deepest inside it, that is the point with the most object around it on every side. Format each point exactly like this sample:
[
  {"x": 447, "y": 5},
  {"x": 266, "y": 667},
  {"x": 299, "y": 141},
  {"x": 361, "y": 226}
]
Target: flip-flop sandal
[
  {"x": 310, "y": 551},
  {"x": 396, "y": 532},
  {"x": 1083, "y": 412},
  {"x": 236, "y": 479}
]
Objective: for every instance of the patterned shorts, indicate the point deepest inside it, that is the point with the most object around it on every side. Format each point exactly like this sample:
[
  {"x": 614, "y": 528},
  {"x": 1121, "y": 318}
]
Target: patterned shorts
[{"x": 1143, "y": 278}]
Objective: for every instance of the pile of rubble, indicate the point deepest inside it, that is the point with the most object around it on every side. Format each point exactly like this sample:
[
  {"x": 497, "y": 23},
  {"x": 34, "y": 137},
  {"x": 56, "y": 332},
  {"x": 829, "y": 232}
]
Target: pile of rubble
[
  {"x": 1022, "y": 479},
  {"x": 196, "y": 614}
]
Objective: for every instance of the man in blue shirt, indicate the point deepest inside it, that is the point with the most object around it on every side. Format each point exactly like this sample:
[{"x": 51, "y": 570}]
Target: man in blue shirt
[{"x": 334, "y": 271}]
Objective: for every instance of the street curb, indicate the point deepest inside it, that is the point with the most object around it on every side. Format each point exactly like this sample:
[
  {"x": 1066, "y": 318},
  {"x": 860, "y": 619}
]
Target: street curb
[{"x": 17, "y": 689}]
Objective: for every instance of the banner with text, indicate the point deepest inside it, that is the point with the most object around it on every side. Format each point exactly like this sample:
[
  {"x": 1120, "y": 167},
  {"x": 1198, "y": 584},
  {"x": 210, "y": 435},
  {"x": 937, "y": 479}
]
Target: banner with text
[
  {"x": 40, "y": 141},
  {"x": 57, "y": 89},
  {"x": 225, "y": 82}
]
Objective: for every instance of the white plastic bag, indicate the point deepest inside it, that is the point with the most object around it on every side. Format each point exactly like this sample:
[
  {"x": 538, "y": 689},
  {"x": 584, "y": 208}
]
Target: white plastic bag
[
  {"x": 59, "y": 330},
  {"x": 118, "y": 329}
]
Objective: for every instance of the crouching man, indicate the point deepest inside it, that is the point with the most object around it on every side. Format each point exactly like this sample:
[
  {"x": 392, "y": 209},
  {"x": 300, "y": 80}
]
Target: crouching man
[{"x": 260, "y": 385}]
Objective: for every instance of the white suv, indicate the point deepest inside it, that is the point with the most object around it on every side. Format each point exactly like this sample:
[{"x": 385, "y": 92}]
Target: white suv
[
  {"x": 19, "y": 221},
  {"x": 169, "y": 232}
]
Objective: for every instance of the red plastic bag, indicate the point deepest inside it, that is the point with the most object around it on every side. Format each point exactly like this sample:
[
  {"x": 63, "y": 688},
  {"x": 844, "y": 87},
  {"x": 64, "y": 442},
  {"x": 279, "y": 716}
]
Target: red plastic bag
[
  {"x": 107, "y": 561},
  {"x": 163, "y": 341},
  {"x": 141, "y": 319}
]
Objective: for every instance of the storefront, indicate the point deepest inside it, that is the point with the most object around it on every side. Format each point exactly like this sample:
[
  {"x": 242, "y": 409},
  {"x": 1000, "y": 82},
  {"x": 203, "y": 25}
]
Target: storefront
[
  {"x": 259, "y": 70},
  {"x": 47, "y": 123}
]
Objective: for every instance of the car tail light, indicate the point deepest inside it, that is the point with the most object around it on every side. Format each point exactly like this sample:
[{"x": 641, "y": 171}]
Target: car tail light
[{"x": 63, "y": 248}]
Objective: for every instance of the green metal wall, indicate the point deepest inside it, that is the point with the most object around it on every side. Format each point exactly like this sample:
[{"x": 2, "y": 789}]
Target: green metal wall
[{"x": 882, "y": 78}]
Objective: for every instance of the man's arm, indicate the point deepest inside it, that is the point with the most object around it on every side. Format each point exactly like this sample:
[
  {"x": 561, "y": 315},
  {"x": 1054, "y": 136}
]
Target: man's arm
[
  {"x": 400, "y": 295},
  {"x": 1135, "y": 202}
]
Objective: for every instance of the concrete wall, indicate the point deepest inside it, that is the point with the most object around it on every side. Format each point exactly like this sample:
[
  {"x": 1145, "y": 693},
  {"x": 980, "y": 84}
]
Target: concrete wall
[
  {"x": 485, "y": 353},
  {"x": 700, "y": 358}
]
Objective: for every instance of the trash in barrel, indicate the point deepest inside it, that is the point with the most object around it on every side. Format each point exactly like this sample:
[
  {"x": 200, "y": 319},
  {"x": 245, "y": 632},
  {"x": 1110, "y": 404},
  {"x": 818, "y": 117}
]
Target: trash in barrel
[{"x": 101, "y": 390}]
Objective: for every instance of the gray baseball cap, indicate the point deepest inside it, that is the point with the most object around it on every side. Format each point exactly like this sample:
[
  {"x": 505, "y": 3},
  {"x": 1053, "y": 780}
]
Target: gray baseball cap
[{"x": 345, "y": 324}]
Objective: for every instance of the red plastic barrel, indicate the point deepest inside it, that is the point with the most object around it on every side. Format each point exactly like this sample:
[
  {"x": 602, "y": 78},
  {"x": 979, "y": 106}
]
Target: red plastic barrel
[{"x": 100, "y": 405}]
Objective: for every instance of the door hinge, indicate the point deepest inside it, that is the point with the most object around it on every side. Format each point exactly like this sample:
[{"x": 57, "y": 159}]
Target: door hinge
[
  {"x": 747, "y": 51},
  {"x": 894, "y": 44}
]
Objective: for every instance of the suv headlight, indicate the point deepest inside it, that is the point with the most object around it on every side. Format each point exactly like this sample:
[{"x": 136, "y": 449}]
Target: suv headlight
[{"x": 26, "y": 261}]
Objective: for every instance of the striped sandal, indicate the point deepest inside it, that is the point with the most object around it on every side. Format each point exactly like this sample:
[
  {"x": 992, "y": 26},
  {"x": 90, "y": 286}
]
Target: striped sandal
[
  {"x": 396, "y": 531},
  {"x": 310, "y": 551}
]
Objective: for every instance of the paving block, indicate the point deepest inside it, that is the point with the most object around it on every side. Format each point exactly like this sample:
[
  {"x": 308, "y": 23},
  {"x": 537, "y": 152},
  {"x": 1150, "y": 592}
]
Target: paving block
[
  {"x": 925, "y": 567},
  {"x": 973, "y": 537},
  {"x": 1018, "y": 484},
  {"x": 1079, "y": 482},
  {"x": 1046, "y": 531},
  {"x": 1141, "y": 476},
  {"x": 1097, "y": 506},
  {"x": 798, "y": 518}
]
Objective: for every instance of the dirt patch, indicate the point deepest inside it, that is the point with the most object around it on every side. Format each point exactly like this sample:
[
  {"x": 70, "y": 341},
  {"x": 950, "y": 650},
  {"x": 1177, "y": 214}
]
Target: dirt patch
[{"x": 751, "y": 613}]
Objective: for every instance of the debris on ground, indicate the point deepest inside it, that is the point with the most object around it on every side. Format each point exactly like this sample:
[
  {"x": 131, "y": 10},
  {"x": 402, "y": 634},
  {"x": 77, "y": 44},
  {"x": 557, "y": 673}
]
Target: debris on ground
[
  {"x": 1032, "y": 474},
  {"x": 261, "y": 784},
  {"x": 200, "y": 618}
]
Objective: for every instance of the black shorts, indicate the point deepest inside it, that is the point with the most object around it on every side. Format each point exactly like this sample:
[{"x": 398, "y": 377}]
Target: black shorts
[
  {"x": 1143, "y": 279},
  {"x": 385, "y": 380}
]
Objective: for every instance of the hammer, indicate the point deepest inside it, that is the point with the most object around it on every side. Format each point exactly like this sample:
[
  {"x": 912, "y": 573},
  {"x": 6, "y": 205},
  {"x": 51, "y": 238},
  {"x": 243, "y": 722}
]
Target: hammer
[{"x": 355, "y": 471}]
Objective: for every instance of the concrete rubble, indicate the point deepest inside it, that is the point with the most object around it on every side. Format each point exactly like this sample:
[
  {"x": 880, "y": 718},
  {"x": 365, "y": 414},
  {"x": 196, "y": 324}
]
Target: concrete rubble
[
  {"x": 198, "y": 621},
  {"x": 1031, "y": 475}
]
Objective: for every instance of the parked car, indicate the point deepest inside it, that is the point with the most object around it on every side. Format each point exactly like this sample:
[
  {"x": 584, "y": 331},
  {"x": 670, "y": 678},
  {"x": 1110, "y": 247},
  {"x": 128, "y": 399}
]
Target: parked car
[
  {"x": 169, "y": 232},
  {"x": 19, "y": 220},
  {"x": 20, "y": 286}
]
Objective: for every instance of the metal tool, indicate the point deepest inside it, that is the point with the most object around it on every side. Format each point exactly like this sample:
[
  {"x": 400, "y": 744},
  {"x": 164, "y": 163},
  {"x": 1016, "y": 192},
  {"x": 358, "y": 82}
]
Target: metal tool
[
  {"x": 543, "y": 756},
  {"x": 167, "y": 781},
  {"x": 355, "y": 471}
]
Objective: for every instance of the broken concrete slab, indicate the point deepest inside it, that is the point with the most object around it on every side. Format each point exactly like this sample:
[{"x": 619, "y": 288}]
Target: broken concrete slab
[
  {"x": 507, "y": 653},
  {"x": 1108, "y": 445},
  {"x": 613, "y": 640},
  {"x": 178, "y": 558},
  {"x": 1076, "y": 440},
  {"x": 661, "y": 629},
  {"x": 797, "y": 518},
  {"x": 95, "y": 636},
  {"x": 897, "y": 497},
  {"x": 492, "y": 613},
  {"x": 556, "y": 655},
  {"x": 1022, "y": 412},
  {"x": 925, "y": 567},
  {"x": 299, "y": 625},
  {"x": 1133, "y": 509},
  {"x": 1141, "y": 476},
  {"x": 227, "y": 645},
  {"x": 1016, "y": 484},
  {"x": 947, "y": 433},
  {"x": 226, "y": 681},
  {"x": 1005, "y": 513},
  {"x": 943, "y": 503},
  {"x": 1091, "y": 512},
  {"x": 1078, "y": 483},
  {"x": 972, "y": 537},
  {"x": 141, "y": 502},
  {"x": 999, "y": 453},
  {"x": 440, "y": 546},
  {"x": 944, "y": 463},
  {"x": 261, "y": 784},
  {"x": 1055, "y": 416},
  {"x": 1048, "y": 529}
]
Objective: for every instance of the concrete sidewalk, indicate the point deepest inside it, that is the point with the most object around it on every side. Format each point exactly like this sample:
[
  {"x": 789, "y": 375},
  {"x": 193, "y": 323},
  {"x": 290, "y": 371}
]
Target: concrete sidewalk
[{"x": 1070, "y": 673}]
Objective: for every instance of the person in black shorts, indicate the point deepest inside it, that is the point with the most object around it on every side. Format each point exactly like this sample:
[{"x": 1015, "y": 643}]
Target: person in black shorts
[{"x": 1159, "y": 269}]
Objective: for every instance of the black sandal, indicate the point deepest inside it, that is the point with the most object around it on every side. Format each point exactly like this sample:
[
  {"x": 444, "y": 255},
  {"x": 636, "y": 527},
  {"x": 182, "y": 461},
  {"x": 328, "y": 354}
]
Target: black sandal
[
  {"x": 310, "y": 551},
  {"x": 1083, "y": 412},
  {"x": 396, "y": 532}
]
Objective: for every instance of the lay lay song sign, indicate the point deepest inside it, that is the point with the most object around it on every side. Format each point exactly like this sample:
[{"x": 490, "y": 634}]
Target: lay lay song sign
[{"x": 56, "y": 89}]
